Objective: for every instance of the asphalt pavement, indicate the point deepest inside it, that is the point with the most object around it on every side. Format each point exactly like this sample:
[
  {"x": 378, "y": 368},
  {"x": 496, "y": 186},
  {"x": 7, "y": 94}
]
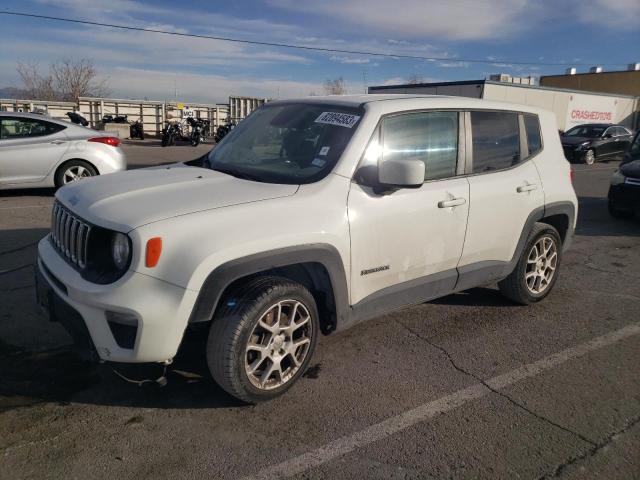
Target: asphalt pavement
[{"x": 467, "y": 386}]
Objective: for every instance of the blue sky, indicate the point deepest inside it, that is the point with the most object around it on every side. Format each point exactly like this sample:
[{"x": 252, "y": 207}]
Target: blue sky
[{"x": 155, "y": 66}]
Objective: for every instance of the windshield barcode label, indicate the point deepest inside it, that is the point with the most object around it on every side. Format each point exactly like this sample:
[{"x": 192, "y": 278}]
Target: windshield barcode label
[{"x": 340, "y": 119}]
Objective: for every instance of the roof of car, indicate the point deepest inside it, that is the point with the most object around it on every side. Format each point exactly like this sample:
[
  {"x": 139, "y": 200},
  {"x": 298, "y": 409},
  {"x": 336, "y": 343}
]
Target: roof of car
[
  {"x": 5, "y": 113},
  {"x": 410, "y": 101}
]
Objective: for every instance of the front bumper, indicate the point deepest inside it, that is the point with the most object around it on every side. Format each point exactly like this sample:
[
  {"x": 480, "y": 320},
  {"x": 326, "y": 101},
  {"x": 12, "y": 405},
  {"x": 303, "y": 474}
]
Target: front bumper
[
  {"x": 626, "y": 196},
  {"x": 157, "y": 312}
]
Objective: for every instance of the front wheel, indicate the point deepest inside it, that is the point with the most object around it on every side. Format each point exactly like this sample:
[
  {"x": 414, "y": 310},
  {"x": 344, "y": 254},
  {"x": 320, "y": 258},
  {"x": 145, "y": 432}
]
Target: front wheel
[
  {"x": 262, "y": 340},
  {"x": 589, "y": 157},
  {"x": 195, "y": 140},
  {"x": 536, "y": 272}
]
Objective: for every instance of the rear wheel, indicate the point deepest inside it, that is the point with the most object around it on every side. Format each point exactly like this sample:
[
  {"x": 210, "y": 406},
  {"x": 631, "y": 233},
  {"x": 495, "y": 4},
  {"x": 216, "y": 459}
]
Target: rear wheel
[
  {"x": 74, "y": 171},
  {"x": 536, "y": 272},
  {"x": 262, "y": 339}
]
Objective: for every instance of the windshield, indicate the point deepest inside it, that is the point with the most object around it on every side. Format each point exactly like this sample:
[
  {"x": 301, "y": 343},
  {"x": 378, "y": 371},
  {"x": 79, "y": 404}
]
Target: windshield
[
  {"x": 587, "y": 131},
  {"x": 291, "y": 143}
]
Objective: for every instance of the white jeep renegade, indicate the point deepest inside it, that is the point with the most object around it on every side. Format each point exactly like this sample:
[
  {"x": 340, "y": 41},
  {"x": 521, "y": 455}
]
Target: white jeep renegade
[{"x": 309, "y": 217}]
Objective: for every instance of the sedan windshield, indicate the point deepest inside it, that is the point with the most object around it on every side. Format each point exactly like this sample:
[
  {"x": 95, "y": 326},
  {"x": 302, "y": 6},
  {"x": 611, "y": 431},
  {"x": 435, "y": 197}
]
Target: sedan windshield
[
  {"x": 585, "y": 131},
  {"x": 290, "y": 143}
]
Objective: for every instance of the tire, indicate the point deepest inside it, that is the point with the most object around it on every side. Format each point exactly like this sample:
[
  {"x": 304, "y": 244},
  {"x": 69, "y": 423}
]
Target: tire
[
  {"x": 520, "y": 285},
  {"x": 165, "y": 139},
  {"x": 239, "y": 321},
  {"x": 195, "y": 140},
  {"x": 73, "y": 168},
  {"x": 589, "y": 157}
]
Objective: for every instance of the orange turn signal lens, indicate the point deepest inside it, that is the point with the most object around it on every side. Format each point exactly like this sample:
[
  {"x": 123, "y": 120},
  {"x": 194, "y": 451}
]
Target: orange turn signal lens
[{"x": 154, "y": 249}]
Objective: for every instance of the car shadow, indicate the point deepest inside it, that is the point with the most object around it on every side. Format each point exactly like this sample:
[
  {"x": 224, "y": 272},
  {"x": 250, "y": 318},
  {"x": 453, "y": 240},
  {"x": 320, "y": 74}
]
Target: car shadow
[
  {"x": 60, "y": 376},
  {"x": 594, "y": 219},
  {"x": 476, "y": 297}
]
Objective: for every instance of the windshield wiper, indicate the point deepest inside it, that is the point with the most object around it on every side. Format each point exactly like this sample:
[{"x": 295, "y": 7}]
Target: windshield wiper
[{"x": 235, "y": 173}]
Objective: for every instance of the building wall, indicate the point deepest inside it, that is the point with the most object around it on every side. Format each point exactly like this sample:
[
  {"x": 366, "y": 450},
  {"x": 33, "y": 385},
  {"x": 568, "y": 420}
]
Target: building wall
[
  {"x": 570, "y": 108},
  {"x": 622, "y": 83}
]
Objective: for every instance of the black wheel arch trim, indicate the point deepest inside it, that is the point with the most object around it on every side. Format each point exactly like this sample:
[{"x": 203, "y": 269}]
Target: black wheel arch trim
[
  {"x": 386, "y": 300},
  {"x": 224, "y": 275}
]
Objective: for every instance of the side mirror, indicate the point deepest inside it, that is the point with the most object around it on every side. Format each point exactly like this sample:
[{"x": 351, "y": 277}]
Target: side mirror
[
  {"x": 401, "y": 173},
  {"x": 607, "y": 135}
]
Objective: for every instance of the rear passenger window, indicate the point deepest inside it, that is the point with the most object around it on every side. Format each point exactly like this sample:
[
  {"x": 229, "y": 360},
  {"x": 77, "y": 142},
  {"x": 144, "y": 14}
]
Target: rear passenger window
[
  {"x": 431, "y": 137},
  {"x": 532, "y": 127},
  {"x": 496, "y": 140}
]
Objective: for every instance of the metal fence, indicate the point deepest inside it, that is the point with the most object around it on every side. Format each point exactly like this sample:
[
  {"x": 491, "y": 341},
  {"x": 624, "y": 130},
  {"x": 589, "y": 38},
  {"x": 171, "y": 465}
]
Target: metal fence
[
  {"x": 152, "y": 114},
  {"x": 240, "y": 107}
]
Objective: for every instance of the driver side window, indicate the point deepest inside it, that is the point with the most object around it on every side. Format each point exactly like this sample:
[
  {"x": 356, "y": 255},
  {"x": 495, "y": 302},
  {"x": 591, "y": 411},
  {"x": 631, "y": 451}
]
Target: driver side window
[{"x": 430, "y": 137}]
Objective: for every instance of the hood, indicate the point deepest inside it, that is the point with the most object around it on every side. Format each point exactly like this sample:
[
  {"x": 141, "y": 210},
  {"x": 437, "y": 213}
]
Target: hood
[
  {"x": 631, "y": 169},
  {"x": 574, "y": 140},
  {"x": 125, "y": 200}
]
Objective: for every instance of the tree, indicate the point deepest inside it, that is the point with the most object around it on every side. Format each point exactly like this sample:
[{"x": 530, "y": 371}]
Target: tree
[
  {"x": 415, "y": 79},
  {"x": 67, "y": 80},
  {"x": 335, "y": 86}
]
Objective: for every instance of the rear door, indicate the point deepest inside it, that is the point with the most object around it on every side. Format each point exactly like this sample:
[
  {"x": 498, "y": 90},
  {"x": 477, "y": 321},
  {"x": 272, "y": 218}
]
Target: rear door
[
  {"x": 29, "y": 148},
  {"x": 622, "y": 139},
  {"x": 504, "y": 188}
]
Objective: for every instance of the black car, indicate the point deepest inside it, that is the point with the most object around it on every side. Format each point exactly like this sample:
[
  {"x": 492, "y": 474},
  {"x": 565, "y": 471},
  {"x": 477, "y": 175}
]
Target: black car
[
  {"x": 595, "y": 141},
  {"x": 624, "y": 192}
]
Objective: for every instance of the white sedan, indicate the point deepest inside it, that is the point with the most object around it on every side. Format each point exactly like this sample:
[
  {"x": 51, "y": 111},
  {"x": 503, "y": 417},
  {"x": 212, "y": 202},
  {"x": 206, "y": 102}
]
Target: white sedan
[{"x": 38, "y": 151}]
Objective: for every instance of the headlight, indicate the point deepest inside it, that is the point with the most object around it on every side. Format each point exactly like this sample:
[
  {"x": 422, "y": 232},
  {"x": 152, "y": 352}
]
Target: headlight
[
  {"x": 617, "y": 178},
  {"x": 583, "y": 145},
  {"x": 120, "y": 250}
]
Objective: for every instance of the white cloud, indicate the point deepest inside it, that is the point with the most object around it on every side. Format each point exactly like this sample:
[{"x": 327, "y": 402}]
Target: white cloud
[
  {"x": 350, "y": 60},
  {"x": 160, "y": 85},
  {"x": 465, "y": 19}
]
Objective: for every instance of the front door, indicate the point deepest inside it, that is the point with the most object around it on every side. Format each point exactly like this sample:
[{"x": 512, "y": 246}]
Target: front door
[
  {"x": 405, "y": 244},
  {"x": 29, "y": 149}
]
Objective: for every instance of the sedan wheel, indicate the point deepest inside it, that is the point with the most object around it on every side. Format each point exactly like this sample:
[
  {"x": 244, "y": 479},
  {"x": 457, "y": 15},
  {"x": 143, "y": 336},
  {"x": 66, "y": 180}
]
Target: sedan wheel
[
  {"x": 590, "y": 157},
  {"x": 75, "y": 173}
]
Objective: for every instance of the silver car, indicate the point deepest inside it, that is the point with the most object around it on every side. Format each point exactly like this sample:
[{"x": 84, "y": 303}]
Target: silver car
[{"x": 38, "y": 151}]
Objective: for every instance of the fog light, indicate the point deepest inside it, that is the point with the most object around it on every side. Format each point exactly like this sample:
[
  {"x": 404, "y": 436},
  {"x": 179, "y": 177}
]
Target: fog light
[{"x": 124, "y": 328}]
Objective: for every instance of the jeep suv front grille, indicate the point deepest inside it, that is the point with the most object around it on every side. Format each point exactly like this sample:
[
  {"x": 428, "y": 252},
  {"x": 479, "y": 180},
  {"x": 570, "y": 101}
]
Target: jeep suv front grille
[{"x": 69, "y": 235}]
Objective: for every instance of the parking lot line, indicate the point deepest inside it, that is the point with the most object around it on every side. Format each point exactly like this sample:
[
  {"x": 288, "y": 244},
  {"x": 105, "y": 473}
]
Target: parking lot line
[{"x": 429, "y": 410}]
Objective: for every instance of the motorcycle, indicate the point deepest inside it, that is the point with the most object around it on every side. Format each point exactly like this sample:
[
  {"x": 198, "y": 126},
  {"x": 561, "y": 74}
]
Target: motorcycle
[
  {"x": 170, "y": 133},
  {"x": 136, "y": 130},
  {"x": 75, "y": 117},
  {"x": 197, "y": 134},
  {"x": 223, "y": 130}
]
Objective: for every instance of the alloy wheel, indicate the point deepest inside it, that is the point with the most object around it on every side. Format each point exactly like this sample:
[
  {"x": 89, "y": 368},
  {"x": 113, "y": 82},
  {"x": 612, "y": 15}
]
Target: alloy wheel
[
  {"x": 75, "y": 173},
  {"x": 590, "y": 157},
  {"x": 541, "y": 265},
  {"x": 278, "y": 344}
]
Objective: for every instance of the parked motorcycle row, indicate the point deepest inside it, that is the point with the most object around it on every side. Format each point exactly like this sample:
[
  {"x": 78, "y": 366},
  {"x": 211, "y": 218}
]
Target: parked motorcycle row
[
  {"x": 195, "y": 134},
  {"x": 193, "y": 130},
  {"x": 136, "y": 128}
]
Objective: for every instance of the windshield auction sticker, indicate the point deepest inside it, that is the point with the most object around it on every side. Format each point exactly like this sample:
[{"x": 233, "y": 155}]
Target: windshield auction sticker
[{"x": 340, "y": 119}]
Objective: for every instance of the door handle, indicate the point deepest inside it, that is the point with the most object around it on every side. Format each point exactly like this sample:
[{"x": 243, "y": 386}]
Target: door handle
[
  {"x": 526, "y": 188},
  {"x": 454, "y": 202},
  {"x": 58, "y": 142}
]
